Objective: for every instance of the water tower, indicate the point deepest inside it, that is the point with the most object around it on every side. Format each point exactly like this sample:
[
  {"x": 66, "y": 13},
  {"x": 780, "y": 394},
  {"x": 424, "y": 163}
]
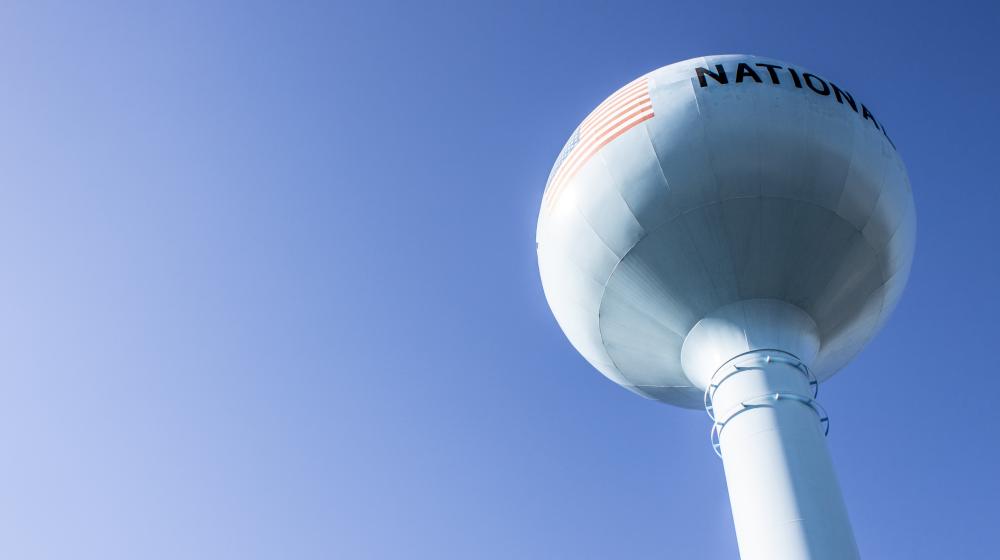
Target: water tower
[{"x": 726, "y": 233}]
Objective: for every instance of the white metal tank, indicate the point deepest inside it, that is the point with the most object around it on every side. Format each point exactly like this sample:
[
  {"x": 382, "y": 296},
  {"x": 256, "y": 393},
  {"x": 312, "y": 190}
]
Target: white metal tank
[{"x": 728, "y": 232}]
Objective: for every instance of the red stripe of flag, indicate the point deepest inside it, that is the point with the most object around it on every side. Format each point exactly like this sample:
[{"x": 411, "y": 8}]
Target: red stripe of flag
[
  {"x": 588, "y": 140},
  {"x": 588, "y": 150},
  {"x": 626, "y": 108},
  {"x": 636, "y": 91}
]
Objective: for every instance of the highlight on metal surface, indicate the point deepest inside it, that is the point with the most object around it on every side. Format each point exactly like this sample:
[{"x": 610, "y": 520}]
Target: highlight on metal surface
[{"x": 726, "y": 233}]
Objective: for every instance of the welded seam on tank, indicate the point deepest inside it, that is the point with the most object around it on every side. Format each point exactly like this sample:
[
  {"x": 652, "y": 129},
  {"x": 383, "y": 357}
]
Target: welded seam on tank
[
  {"x": 910, "y": 209},
  {"x": 860, "y": 231},
  {"x": 602, "y": 282},
  {"x": 710, "y": 160},
  {"x": 719, "y": 200},
  {"x": 652, "y": 146},
  {"x": 645, "y": 233},
  {"x": 607, "y": 347},
  {"x": 810, "y": 267},
  {"x": 600, "y": 331},
  {"x": 843, "y": 193},
  {"x": 600, "y": 308},
  {"x": 701, "y": 261},
  {"x": 601, "y": 239},
  {"x": 881, "y": 315},
  {"x": 850, "y": 167},
  {"x": 699, "y": 207},
  {"x": 618, "y": 191},
  {"x": 881, "y": 193},
  {"x": 669, "y": 222},
  {"x": 807, "y": 266},
  {"x": 758, "y": 281},
  {"x": 642, "y": 235}
]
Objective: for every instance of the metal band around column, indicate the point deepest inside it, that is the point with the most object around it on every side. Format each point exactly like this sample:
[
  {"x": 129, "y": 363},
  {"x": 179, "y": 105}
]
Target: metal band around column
[{"x": 751, "y": 361}]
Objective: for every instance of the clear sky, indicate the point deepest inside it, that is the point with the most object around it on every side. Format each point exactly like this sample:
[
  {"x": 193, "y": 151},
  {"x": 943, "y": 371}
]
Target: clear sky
[{"x": 269, "y": 286}]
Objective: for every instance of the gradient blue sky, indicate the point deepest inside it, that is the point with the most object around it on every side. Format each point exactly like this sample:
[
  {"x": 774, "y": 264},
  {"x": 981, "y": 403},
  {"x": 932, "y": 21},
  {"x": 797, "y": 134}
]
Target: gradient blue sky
[{"x": 269, "y": 286}]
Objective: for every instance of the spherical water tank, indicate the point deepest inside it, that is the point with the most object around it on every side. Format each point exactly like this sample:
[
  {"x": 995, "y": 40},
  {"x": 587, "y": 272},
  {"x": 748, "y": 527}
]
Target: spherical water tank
[{"x": 715, "y": 181}]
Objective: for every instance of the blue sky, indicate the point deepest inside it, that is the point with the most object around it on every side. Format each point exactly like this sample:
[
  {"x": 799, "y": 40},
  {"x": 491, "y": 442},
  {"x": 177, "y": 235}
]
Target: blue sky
[{"x": 269, "y": 286}]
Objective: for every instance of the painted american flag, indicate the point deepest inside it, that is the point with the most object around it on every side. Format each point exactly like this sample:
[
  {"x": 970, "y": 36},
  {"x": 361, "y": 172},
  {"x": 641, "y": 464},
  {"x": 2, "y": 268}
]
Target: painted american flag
[{"x": 618, "y": 114}]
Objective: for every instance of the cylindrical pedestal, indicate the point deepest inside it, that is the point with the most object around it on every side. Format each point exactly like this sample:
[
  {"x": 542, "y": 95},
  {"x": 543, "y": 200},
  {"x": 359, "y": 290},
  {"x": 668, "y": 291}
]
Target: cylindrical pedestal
[{"x": 785, "y": 498}]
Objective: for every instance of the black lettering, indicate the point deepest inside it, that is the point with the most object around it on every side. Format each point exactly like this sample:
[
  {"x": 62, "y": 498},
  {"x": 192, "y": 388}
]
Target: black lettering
[
  {"x": 719, "y": 75},
  {"x": 795, "y": 78},
  {"x": 868, "y": 115},
  {"x": 744, "y": 70},
  {"x": 837, "y": 92},
  {"x": 771, "y": 70},
  {"x": 809, "y": 82}
]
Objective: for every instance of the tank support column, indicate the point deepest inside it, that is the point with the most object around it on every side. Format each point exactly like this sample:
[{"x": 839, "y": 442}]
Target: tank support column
[{"x": 770, "y": 432}]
